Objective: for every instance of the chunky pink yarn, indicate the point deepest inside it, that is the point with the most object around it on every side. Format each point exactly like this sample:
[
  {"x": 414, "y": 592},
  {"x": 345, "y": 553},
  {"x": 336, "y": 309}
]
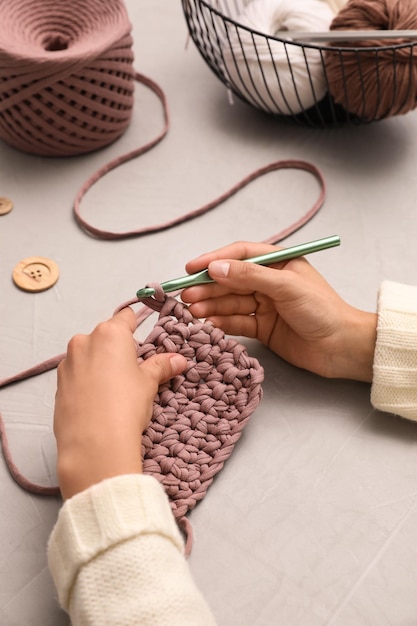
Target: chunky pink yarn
[
  {"x": 66, "y": 75},
  {"x": 199, "y": 415}
]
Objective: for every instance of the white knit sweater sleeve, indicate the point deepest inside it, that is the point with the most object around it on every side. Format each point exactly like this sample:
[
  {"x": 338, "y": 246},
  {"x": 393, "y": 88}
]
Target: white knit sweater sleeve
[
  {"x": 117, "y": 558},
  {"x": 394, "y": 386}
]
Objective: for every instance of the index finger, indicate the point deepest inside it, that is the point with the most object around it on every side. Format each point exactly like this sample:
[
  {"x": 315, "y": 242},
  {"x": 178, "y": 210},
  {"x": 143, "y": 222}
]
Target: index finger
[{"x": 126, "y": 318}]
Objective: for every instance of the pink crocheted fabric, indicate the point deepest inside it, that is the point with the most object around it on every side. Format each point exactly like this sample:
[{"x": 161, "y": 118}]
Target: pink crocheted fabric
[{"x": 199, "y": 415}]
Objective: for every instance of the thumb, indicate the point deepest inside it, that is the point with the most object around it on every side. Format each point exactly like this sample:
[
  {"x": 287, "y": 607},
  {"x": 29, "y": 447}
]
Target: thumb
[{"x": 162, "y": 367}]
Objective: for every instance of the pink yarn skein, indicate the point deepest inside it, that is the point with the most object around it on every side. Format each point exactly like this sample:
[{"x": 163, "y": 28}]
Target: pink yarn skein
[{"x": 66, "y": 75}]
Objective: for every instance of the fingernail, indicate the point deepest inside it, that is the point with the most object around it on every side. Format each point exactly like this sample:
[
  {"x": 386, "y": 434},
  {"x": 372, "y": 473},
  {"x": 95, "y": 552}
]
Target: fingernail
[{"x": 219, "y": 268}]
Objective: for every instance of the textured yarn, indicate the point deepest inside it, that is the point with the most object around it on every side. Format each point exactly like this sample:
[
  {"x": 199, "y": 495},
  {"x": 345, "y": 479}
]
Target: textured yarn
[
  {"x": 375, "y": 84},
  {"x": 199, "y": 415},
  {"x": 278, "y": 77},
  {"x": 66, "y": 75}
]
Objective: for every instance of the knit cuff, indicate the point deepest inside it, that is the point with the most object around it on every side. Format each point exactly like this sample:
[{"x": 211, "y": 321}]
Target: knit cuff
[
  {"x": 103, "y": 516},
  {"x": 394, "y": 387}
]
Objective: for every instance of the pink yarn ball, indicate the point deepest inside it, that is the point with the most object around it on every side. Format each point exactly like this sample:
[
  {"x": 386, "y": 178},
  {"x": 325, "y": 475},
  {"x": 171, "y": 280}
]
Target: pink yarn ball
[{"x": 66, "y": 75}]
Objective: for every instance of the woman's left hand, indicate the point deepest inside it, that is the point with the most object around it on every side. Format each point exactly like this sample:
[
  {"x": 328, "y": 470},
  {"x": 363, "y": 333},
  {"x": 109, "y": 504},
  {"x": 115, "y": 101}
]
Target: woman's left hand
[{"x": 104, "y": 403}]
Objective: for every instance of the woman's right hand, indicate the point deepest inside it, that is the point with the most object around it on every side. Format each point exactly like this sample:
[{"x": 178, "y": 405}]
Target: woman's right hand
[{"x": 289, "y": 307}]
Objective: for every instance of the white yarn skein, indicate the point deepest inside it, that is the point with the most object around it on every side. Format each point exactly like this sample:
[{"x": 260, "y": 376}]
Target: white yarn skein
[
  {"x": 336, "y": 5},
  {"x": 282, "y": 78}
]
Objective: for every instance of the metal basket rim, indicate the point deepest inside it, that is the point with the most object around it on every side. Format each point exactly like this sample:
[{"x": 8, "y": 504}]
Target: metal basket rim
[{"x": 331, "y": 48}]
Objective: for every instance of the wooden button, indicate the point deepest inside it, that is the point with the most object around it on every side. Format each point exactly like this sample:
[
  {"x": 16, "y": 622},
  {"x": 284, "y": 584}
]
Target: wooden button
[
  {"x": 35, "y": 274},
  {"x": 6, "y": 205}
]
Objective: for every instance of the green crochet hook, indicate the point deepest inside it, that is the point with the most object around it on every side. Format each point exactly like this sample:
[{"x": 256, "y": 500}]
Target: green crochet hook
[{"x": 285, "y": 254}]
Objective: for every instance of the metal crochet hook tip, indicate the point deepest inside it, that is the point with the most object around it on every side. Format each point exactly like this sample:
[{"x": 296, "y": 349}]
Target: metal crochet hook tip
[
  {"x": 285, "y": 254},
  {"x": 178, "y": 283},
  {"x": 145, "y": 292}
]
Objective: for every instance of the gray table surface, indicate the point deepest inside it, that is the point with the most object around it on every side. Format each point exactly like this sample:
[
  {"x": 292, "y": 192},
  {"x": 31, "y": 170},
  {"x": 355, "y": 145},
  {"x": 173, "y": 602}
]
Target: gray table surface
[{"x": 312, "y": 521}]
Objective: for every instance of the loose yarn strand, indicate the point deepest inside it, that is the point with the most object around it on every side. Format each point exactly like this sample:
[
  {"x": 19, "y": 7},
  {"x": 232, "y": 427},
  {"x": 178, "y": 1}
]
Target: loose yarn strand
[
  {"x": 14, "y": 471},
  {"x": 109, "y": 235},
  {"x": 16, "y": 474},
  {"x": 205, "y": 208}
]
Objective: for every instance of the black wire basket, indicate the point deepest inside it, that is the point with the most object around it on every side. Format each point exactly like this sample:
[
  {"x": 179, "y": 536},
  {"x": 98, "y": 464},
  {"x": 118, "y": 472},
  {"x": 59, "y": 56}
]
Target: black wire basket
[{"x": 319, "y": 85}]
